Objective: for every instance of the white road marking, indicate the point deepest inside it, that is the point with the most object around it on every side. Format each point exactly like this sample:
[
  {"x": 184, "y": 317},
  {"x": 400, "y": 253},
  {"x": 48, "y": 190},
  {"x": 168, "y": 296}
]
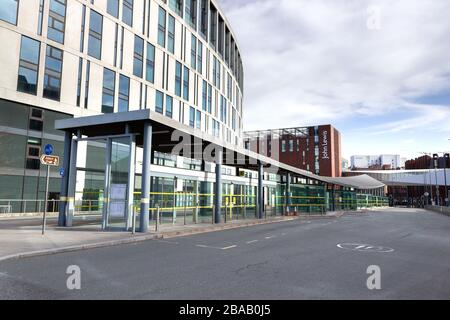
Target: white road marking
[
  {"x": 216, "y": 248},
  {"x": 271, "y": 237},
  {"x": 169, "y": 242},
  {"x": 253, "y": 241},
  {"x": 230, "y": 247}
]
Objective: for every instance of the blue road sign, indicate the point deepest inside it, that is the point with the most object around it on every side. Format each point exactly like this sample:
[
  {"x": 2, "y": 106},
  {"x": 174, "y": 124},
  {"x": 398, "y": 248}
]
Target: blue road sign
[
  {"x": 62, "y": 172},
  {"x": 48, "y": 149}
]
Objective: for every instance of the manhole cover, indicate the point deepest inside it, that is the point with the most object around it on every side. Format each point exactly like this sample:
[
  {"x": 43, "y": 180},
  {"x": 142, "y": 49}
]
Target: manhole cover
[{"x": 364, "y": 247}]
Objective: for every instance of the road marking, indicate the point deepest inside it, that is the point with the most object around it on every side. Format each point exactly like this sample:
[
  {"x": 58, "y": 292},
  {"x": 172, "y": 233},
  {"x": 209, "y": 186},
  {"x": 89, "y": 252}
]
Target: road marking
[
  {"x": 216, "y": 248},
  {"x": 169, "y": 242},
  {"x": 230, "y": 247},
  {"x": 364, "y": 248},
  {"x": 253, "y": 241},
  {"x": 271, "y": 237}
]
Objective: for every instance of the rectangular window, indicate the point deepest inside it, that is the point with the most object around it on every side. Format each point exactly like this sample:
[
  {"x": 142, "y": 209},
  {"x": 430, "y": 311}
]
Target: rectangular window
[
  {"x": 200, "y": 57},
  {"x": 80, "y": 70},
  {"x": 204, "y": 18},
  {"x": 198, "y": 119},
  {"x": 178, "y": 71},
  {"x": 162, "y": 27},
  {"x": 291, "y": 145},
  {"x": 127, "y": 12},
  {"x": 33, "y": 153},
  {"x": 109, "y": 88},
  {"x": 53, "y": 69},
  {"x": 193, "y": 52},
  {"x": 221, "y": 36},
  {"x": 28, "y": 65},
  {"x": 209, "y": 98},
  {"x": 191, "y": 117},
  {"x": 233, "y": 120},
  {"x": 186, "y": 84},
  {"x": 227, "y": 46},
  {"x": 83, "y": 27},
  {"x": 8, "y": 11},
  {"x": 159, "y": 103},
  {"x": 41, "y": 15},
  {"x": 113, "y": 8},
  {"x": 169, "y": 106},
  {"x": 213, "y": 27},
  {"x": 124, "y": 93},
  {"x": 86, "y": 85},
  {"x": 171, "y": 35},
  {"x": 150, "y": 64},
  {"x": 95, "y": 35},
  {"x": 283, "y": 146},
  {"x": 205, "y": 95},
  {"x": 176, "y": 6},
  {"x": 191, "y": 13},
  {"x": 57, "y": 20},
  {"x": 223, "y": 109},
  {"x": 138, "y": 56}
]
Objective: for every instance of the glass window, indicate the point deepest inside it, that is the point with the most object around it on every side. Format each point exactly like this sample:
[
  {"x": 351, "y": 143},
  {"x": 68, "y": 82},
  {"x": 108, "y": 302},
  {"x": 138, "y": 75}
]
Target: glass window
[
  {"x": 57, "y": 20},
  {"x": 150, "y": 69},
  {"x": 124, "y": 93},
  {"x": 204, "y": 95},
  {"x": 193, "y": 52},
  {"x": 204, "y": 18},
  {"x": 291, "y": 145},
  {"x": 198, "y": 119},
  {"x": 209, "y": 98},
  {"x": 178, "y": 70},
  {"x": 95, "y": 35},
  {"x": 127, "y": 12},
  {"x": 169, "y": 106},
  {"x": 109, "y": 87},
  {"x": 40, "y": 18},
  {"x": 28, "y": 65},
  {"x": 83, "y": 27},
  {"x": 8, "y": 11},
  {"x": 283, "y": 146},
  {"x": 213, "y": 26},
  {"x": 171, "y": 35},
  {"x": 162, "y": 27},
  {"x": 159, "y": 103},
  {"x": 113, "y": 8},
  {"x": 176, "y": 6},
  {"x": 191, "y": 13},
  {"x": 200, "y": 57},
  {"x": 138, "y": 56},
  {"x": 80, "y": 70},
  {"x": 53, "y": 69},
  {"x": 191, "y": 117},
  {"x": 186, "y": 84}
]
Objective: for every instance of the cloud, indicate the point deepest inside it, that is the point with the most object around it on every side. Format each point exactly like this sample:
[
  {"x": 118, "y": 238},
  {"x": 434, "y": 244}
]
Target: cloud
[{"x": 310, "y": 62}]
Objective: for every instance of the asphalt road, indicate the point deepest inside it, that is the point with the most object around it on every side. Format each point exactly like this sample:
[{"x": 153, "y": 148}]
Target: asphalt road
[{"x": 292, "y": 260}]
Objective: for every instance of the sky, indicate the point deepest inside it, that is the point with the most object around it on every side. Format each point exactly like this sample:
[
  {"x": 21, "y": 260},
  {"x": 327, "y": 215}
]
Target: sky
[{"x": 378, "y": 70}]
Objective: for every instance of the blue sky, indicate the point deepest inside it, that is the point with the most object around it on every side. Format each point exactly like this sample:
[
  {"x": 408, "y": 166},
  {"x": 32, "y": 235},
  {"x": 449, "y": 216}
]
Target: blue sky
[{"x": 378, "y": 70}]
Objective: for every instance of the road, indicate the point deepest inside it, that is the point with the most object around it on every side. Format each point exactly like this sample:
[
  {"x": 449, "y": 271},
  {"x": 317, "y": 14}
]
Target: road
[{"x": 291, "y": 260}]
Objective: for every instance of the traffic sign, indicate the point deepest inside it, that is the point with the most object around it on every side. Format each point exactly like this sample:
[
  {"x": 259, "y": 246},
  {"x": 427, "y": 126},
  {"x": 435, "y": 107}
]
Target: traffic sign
[
  {"x": 62, "y": 172},
  {"x": 48, "y": 149},
  {"x": 50, "y": 160}
]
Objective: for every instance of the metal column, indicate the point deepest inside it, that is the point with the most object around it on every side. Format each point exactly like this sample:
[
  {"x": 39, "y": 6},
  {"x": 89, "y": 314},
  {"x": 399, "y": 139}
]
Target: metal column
[
  {"x": 218, "y": 187},
  {"x": 333, "y": 198},
  {"x": 145, "y": 196},
  {"x": 108, "y": 155},
  {"x": 260, "y": 190},
  {"x": 70, "y": 207},
  {"x": 65, "y": 179},
  {"x": 288, "y": 193},
  {"x": 131, "y": 177}
]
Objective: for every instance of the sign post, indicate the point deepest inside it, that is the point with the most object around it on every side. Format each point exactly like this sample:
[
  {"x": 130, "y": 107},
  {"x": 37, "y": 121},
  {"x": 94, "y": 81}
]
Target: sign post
[{"x": 48, "y": 160}]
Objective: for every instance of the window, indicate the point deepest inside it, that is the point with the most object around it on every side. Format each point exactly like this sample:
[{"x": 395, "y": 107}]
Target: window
[
  {"x": 113, "y": 8},
  {"x": 171, "y": 35},
  {"x": 80, "y": 70},
  {"x": 193, "y": 52},
  {"x": 204, "y": 95},
  {"x": 127, "y": 12},
  {"x": 53, "y": 69},
  {"x": 178, "y": 70},
  {"x": 83, "y": 27},
  {"x": 28, "y": 65},
  {"x": 176, "y": 6},
  {"x": 95, "y": 35},
  {"x": 204, "y": 18},
  {"x": 198, "y": 119},
  {"x": 216, "y": 128},
  {"x": 221, "y": 37},
  {"x": 41, "y": 16},
  {"x": 138, "y": 56},
  {"x": 150, "y": 68},
  {"x": 200, "y": 57},
  {"x": 109, "y": 88},
  {"x": 8, "y": 11},
  {"x": 86, "y": 85},
  {"x": 223, "y": 109},
  {"x": 291, "y": 145},
  {"x": 191, "y": 117},
  {"x": 169, "y": 106},
  {"x": 36, "y": 121},
  {"x": 227, "y": 46},
  {"x": 213, "y": 27},
  {"x": 283, "y": 146},
  {"x": 186, "y": 84},
  {"x": 124, "y": 93},
  {"x": 57, "y": 20},
  {"x": 191, "y": 13},
  {"x": 210, "y": 98},
  {"x": 162, "y": 27},
  {"x": 159, "y": 103},
  {"x": 33, "y": 153}
]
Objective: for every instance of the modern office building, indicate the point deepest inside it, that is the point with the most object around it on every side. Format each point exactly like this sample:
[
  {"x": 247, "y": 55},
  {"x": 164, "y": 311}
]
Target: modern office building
[
  {"x": 377, "y": 162},
  {"x": 316, "y": 149}
]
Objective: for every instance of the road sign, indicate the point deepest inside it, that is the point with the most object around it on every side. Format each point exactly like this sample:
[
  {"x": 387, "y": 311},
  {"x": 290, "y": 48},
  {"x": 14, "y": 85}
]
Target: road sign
[
  {"x": 50, "y": 160},
  {"x": 62, "y": 172},
  {"x": 48, "y": 149}
]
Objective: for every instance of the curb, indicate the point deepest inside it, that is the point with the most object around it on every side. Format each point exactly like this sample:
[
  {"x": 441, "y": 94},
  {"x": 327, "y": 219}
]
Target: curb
[{"x": 138, "y": 239}]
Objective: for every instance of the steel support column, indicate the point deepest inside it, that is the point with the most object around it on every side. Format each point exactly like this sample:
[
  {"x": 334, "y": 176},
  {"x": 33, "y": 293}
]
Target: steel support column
[
  {"x": 288, "y": 193},
  {"x": 218, "y": 187},
  {"x": 145, "y": 196},
  {"x": 70, "y": 207},
  {"x": 260, "y": 190},
  {"x": 108, "y": 155},
  {"x": 65, "y": 179},
  {"x": 131, "y": 177}
]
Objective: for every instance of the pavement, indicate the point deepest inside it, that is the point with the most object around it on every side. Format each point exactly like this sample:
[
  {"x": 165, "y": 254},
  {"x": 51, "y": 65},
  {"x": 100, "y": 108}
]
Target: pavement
[{"x": 298, "y": 259}]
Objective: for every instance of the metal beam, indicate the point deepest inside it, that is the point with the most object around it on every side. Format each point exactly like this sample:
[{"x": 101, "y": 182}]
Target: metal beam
[
  {"x": 70, "y": 207},
  {"x": 145, "y": 196},
  {"x": 65, "y": 179},
  {"x": 260, "y": 190},
  {"x": 218, "y": 187}
]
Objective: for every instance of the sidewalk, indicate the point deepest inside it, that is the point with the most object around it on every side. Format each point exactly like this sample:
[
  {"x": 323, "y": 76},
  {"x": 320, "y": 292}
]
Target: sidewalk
[{"x": 22, "y": 238}]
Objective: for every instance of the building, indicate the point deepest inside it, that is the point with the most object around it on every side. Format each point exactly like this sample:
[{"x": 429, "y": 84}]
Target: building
[
  {"x": 316, "y": 149},
  {"x": 377, "y": 162}
]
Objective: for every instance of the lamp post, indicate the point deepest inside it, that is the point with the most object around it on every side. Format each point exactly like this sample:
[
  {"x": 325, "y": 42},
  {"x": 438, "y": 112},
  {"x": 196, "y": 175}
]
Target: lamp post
[
  {"x": 436, "y": 164},
  {"x": 446, "y": 158}
]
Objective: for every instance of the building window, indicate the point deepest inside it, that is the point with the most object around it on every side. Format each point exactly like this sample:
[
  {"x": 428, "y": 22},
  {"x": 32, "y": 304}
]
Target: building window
[
  {"x": 33, "y": 153},
  {"x": 113, "y": 8},
  {"x": 95, "y": 35},
  {"x": 178, "y": 70},
  {"x": 8, "y": 11},
  {"x": 200, "y": 57},
  {"x": 36, "y": 121},
  {"x": 83, "y": 27},
  {"x": 205, "y": 95},
  {"x": 192, "y": 117},
  {"x": 283, "y": 146},
  {"x": 291, "y": 145},
  {"x": 169, "y": 106},
  {"x": 210, "y": 98},
  {"x": 40, "y": 18},
  {"x": 186, "y": 84},
  {"x": 86, "y": 85},
  {"x": 57, "y": 20},
  {"x": 223, "y": 110},
  {"x": 150, "y": 68},
  {"x": 204, "y": 18},
  {"x": 213, "y": 27},
  {"x": 221, "y": 36},
  {"x": 162, "y": 27},
  {"x": 138, "y": 56},
  {"x": 171, "y": 35},
  {"x": 198, "y": 120},
  {"x": 127, "y": 12},
  {"x": 191, "y": 13},
  {"x": 80, "y": 70},
  {"x": 176, "y": 6},
  {"x": 124, "y": 93},
  {"x": 109, "y": 88},
  {"x": 28, "y": 65},
  {"x": 159, "y": 103},
  {"x": 193, "y": 52},
  {"x": 53, "y": 69}
]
